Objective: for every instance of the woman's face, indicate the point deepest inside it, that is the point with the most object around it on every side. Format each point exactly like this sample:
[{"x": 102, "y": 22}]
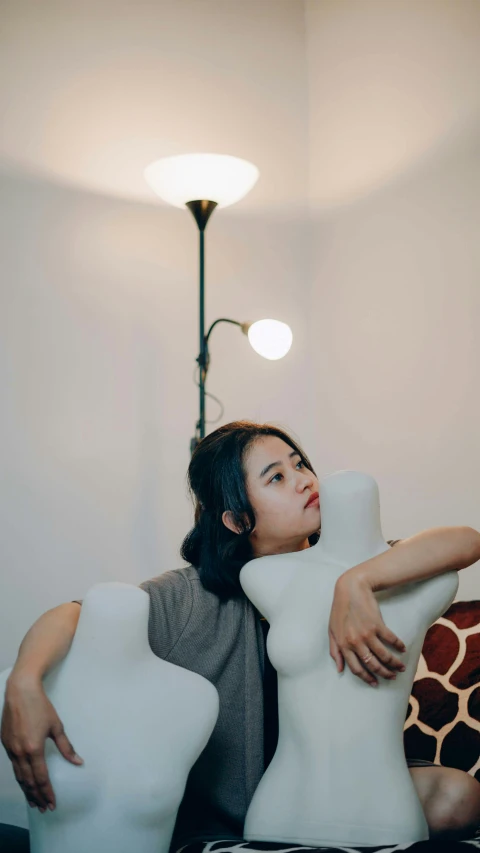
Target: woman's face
[{"x": 279, "y": 487}]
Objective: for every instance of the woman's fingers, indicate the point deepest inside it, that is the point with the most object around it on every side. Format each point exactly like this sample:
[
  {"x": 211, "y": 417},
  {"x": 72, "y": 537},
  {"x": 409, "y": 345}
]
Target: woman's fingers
[
  {"x": 42, "y": 779},
  {"x": 357, "y": 668},
  {"x": 57, "y": 733},
  {"x": 358, "y": 632},
  {"x": 388, "y": 662},
  {"x": 24, "y": 776},
  {"x": 373, "y": 665},
  {"x": 389, "y": 637},
  {"x": 336, "y": 654},
  {"x": 368, "y": 662},
  {"x": 28, "y": 719}
]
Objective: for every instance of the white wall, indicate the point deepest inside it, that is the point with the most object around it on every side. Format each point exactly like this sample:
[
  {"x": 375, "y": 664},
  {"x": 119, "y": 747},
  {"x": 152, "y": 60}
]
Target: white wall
[
  {"x": 100, "y": 280},
  {"x": 394, "y": 110},
  {"x": 92, "y": 91},
  {"x": 99, "y": 290}
]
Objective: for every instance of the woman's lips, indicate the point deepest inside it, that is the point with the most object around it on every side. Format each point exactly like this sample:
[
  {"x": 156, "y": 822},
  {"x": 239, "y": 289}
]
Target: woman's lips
[{"x": 314, "y": 502}]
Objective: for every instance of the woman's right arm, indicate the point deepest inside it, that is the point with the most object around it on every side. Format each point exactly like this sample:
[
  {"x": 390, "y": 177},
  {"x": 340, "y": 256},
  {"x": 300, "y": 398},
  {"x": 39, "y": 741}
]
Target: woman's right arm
[{"x": 28, "y": 715}]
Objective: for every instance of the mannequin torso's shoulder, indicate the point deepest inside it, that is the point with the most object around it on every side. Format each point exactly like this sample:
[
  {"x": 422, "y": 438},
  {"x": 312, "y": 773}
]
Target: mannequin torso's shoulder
[
  {"x": 265, "y": 579},
  {"x": 182, "y": 689}
]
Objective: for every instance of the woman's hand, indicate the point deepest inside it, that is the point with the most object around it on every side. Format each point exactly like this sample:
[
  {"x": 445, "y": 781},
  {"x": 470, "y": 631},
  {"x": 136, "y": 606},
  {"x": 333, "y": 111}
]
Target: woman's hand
[
  {"x": 357, "y": 631},
  {"x": 28, "y": 719}
]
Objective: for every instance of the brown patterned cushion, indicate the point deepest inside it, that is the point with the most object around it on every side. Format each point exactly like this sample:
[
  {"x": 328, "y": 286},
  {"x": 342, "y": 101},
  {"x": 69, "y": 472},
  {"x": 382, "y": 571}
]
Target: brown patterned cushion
[{"x": 443, "y": 718}]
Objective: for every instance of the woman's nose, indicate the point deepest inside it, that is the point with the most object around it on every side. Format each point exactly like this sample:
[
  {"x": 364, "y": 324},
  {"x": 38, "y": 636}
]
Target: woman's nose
[{"x": 305, "y": 481}]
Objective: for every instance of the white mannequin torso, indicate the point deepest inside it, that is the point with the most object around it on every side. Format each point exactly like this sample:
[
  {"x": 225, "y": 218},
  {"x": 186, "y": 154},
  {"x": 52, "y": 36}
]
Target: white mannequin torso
[
  {"x": 138, "y": 722},
  {"x": 339, "y": 775}
]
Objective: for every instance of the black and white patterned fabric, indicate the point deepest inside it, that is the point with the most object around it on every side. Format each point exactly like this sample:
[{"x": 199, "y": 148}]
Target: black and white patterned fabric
[{"x": 433, "y": 846}]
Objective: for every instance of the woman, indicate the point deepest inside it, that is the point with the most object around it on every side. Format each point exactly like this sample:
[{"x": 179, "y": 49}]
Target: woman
[{"x": 254, "y": 491}]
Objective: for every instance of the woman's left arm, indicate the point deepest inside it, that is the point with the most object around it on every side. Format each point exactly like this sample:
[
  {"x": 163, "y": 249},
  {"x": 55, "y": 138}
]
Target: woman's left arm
[
  {"x": 356, "y": 628},
  {"x": 426, "y": 555}
]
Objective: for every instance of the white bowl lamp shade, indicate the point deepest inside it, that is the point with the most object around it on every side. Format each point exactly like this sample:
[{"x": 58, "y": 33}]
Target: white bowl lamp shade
[
  {"x": 201, "y": 177},
  {"x": 270, "y": 338}
]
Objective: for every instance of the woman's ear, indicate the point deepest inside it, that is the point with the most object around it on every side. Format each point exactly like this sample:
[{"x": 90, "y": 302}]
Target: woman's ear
[{"x": 229, "y": 522}]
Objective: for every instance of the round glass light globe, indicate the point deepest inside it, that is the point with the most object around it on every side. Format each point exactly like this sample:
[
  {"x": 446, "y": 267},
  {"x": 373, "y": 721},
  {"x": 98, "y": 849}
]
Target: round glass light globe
[
  {"x": 270, "y": 338},
  {"x": 199, "y": 177}
]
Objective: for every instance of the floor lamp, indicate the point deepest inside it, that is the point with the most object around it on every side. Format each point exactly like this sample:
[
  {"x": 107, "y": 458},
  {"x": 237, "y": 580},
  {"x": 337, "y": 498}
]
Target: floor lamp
[{"x": 203, "y": 182}]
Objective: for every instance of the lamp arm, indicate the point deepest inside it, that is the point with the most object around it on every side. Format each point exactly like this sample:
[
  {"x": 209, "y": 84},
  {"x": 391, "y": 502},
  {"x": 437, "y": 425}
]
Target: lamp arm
[
  {"x": 221, "y": 320},
  {"x": 206, "y": 361},
  {"x": 203, "y": 359}
]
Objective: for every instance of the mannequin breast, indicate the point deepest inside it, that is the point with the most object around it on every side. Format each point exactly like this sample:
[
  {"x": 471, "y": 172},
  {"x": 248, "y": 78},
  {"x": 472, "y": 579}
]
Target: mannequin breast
[{"x": 298, "y": 637}]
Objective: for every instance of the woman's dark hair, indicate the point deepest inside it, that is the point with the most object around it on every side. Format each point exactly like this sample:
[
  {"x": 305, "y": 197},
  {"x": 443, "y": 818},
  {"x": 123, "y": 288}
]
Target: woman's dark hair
[{"x": 216, "y": 480}]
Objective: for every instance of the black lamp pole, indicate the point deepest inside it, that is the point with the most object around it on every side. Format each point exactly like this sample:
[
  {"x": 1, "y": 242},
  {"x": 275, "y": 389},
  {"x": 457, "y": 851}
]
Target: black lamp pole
[
  {"x": 202, "y": 211},
  {"x": 231, "y": 173}
]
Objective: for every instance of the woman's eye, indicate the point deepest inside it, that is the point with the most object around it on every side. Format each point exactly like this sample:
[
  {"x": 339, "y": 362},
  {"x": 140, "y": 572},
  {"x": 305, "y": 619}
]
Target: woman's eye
[{"x": 273, "y": 480}]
